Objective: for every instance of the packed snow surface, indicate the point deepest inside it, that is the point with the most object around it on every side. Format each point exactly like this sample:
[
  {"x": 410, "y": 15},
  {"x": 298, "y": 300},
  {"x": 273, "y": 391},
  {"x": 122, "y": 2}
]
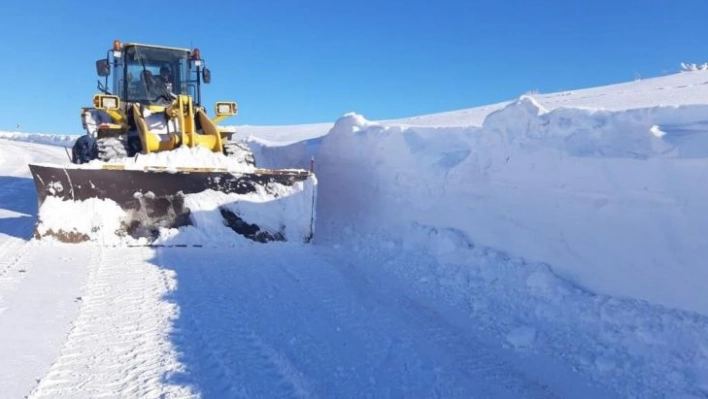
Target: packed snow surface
[{"x": 549, "y": 246}]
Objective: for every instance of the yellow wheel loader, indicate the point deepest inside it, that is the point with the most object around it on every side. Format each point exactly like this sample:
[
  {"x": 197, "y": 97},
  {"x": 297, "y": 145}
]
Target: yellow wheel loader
[{"x": 152, "y": 106}]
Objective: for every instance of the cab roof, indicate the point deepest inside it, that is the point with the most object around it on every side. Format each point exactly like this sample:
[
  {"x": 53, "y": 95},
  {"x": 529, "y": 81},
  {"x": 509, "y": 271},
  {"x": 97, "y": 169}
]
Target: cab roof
[{"x": 156, "y": 46}]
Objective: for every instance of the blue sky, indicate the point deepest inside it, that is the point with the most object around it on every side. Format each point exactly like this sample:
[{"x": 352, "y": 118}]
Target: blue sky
[{"x": 307, "y": 61}]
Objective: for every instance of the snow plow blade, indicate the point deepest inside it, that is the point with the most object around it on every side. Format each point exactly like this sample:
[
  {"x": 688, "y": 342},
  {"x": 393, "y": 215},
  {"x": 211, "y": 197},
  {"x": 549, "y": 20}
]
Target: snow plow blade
[{"x": 262, "y": 205}]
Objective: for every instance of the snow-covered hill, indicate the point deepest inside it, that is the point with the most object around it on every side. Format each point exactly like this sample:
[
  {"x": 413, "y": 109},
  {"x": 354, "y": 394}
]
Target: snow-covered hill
[{"x": 551, "y": 244}]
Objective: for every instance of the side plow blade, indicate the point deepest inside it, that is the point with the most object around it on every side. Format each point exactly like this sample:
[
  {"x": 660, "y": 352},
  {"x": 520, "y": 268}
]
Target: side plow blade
[{"x": 79, "y": 204}]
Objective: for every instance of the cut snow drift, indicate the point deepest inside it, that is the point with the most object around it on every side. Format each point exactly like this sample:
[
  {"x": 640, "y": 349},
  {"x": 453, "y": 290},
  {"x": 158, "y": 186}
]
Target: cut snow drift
[{"x": 598, "y": 195}]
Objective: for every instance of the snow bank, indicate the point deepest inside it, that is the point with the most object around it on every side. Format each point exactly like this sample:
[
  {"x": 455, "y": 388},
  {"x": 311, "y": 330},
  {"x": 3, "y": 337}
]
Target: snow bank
[
  {"x": 62, "y": 140},
  {"x": 608, "y": 198}
]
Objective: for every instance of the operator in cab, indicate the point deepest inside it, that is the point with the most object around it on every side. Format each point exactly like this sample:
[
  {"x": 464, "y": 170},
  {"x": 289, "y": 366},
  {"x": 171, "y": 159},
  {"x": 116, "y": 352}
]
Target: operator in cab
[{"x": 165, "y": 78}]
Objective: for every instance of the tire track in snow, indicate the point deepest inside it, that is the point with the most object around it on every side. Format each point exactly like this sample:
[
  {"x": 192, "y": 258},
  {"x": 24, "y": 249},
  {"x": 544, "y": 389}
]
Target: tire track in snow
[
  {"x": 462, "y": 366},
  {"x": 233, "y": 361},
  {"x": 13, "y": 267},
  {"x": 18, "y": 229},
  {"x": 12, "y": 251},
  {"x": 17, "y": 201},
  {"x": 119, "y": 345},
  {"x": 193, "y": 334},
  {"x": 406, "y": 274},
  {"x": 14, "y": 246},
  {"x": 12, "y": 260},
  {"x": 39, "y": 309}
]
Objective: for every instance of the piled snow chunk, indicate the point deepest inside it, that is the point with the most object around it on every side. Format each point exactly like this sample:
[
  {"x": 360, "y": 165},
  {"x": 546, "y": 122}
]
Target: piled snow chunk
[
  {"x": 694, "y": 67},
  {"x": 656, "y": 131},
  {"x": 352, "y": 122},
  {"x": 286, "y": 210},
  {"x": 93, "y": 219},
  {"x": 519, "y": 120}
]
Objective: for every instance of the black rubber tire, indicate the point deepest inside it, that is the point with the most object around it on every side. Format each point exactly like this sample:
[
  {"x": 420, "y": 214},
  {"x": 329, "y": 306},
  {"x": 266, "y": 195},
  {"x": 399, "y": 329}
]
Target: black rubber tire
[
  {"x": 85, "y": 149},
  {"x": 112, "y": 148},
  {"x": 239, "y": 151}
]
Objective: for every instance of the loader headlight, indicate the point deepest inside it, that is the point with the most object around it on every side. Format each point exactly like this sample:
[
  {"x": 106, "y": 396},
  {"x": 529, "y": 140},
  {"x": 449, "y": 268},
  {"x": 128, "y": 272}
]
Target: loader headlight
[
  {"x": 226, "y": 108},
  {"x": 106, "y": 102},
  {"x": 110, "y": 102}
]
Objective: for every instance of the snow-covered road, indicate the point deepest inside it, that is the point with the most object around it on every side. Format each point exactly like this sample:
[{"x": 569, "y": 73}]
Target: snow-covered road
[
  {"x": 291, "y": 321},
  {"x": 279, "y": 320},
  {"x": 39, "y": 285},
  {"x": 301, "y": 321}
]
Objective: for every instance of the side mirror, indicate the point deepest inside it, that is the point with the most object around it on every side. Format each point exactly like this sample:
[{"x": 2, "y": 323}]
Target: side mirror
[
  {"x": 103, "y": 67},
  {"x": 206, "y": 75}
]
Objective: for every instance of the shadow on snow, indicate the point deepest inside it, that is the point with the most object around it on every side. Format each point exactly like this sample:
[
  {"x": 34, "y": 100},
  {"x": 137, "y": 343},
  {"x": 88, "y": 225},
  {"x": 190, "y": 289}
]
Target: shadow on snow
[{"x": 17, "y": 195}]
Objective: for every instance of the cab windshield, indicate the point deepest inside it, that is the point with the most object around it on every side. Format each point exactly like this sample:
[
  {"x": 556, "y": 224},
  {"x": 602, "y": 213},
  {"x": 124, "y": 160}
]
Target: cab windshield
[{"x": 153, "y": 75}]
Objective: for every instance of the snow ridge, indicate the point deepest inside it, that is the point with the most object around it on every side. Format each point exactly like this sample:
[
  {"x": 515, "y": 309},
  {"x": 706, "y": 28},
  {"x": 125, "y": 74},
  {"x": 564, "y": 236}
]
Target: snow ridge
[
  {"x": 694, "y": 67},
  {"x": 61, "y": 140}
]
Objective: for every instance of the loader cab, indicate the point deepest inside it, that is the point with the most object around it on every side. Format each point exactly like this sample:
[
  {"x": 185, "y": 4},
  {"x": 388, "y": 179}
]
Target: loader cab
[{"x": 152, "y": 75}]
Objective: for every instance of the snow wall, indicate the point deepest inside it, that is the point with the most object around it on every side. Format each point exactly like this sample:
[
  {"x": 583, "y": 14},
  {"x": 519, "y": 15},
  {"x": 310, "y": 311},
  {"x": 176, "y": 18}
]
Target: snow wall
[{"x": 612, "y": 201}]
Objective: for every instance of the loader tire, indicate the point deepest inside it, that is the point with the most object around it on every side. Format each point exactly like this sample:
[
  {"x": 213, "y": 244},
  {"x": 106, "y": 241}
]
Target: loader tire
[
  {"x": 85, "y": 149},
  {"x": 239, "y": 151},
  {"x": 112, "y": 148}
]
